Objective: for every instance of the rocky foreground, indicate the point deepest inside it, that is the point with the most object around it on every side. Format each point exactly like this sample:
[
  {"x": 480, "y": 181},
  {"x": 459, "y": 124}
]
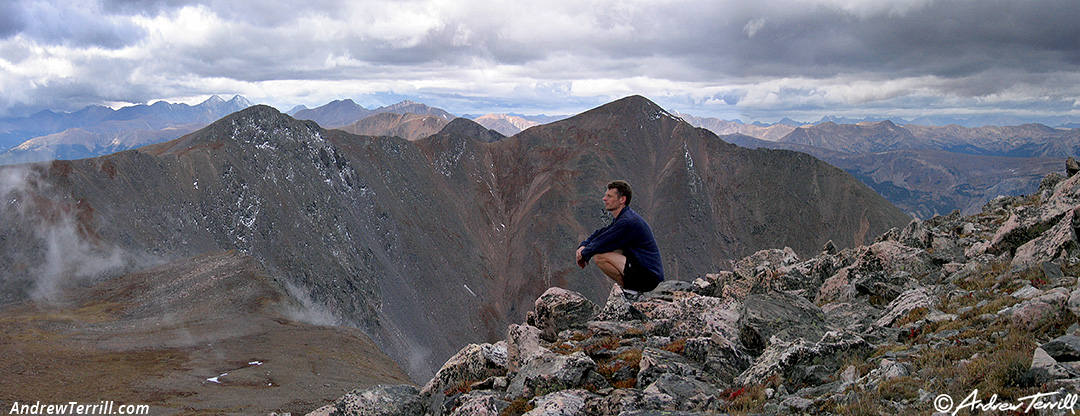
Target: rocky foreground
[{"x": 939, "y": 316}]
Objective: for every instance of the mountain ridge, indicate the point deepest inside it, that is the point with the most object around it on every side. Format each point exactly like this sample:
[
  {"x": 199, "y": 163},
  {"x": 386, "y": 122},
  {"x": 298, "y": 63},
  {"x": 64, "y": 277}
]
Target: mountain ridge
[{"x": 448, "y": 235}]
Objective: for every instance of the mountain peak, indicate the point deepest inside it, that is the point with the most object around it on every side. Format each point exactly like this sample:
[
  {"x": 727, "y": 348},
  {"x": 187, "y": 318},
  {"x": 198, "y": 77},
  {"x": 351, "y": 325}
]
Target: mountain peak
[
  {"x": 634, "y": 106},
  {"x": 469, "y": 128}
]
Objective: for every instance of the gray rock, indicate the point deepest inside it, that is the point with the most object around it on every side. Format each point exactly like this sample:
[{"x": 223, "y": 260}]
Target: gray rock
[
  {"x": 522, "y": 345},
  {"x": 617, "y": 308},
  {"x": 780, "y": 315},
  {"x": 857, "y": 313},
  {"x": 796, "y": 403},
  {"x": 560, "y": 403},
  {"x": 1033, "y": 313},
  {"x": 689, "y": 393},
  {"x": 1063, "y": 348},
  {"x": 879, "y": 262},
  {"x": 656, "y": 362},
  {"x": 1048, "y": 245},
  {"x": 382, "y": 400},
  {"x": 904, "y": 304},
  {"x": 552, "y": 372},
  {"x": 721, "y": 359},
  {"x": 1045, "y": 368},
  {"x": 559, "y": 309},
  {"x": 1071, "y": 166},
  {"x": 473, "y": 363},
  {"x": 781, "y": 356},
  {"x": 618, "y": 402},
  {"x": 480, "y": 404}
]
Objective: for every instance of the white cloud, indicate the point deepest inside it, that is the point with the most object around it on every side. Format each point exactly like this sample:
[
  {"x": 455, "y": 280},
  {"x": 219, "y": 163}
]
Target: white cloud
[{"x": 778, "y": 55}]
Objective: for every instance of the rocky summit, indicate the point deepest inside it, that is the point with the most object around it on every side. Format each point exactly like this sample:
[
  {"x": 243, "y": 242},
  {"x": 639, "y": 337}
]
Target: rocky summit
[{"x": 951, "y": 314}]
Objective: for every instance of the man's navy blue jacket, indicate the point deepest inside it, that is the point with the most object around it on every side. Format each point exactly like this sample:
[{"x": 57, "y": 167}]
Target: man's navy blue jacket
[{"x": 630, "y": 233}]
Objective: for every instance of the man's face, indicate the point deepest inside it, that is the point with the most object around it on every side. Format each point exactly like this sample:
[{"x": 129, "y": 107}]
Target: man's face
[{"x": 612, "y": 200}]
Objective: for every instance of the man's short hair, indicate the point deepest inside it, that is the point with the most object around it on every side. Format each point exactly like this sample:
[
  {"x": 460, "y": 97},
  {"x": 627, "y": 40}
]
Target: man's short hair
[{"x": 622, "y": 188}]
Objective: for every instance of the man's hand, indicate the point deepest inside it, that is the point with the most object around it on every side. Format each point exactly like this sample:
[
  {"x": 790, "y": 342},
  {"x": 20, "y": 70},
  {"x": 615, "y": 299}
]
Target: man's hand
[{"x": 581, "y": 261}]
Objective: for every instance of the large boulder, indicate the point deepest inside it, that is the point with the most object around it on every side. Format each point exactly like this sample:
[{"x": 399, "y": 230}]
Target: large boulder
[
  {"x": 561, "y": 403},
  {"x": 618, "y": 308},
  {"x": 1027, "y": 222},
  {"x": 778, "y": 315},
  {"x": 1049, "y": 245},
  {"x": 559, "y": 309},
  {"x": 879, "y": 271},
  {"x": 552, "y": 372},
  {"x": 722, "y": 360},
  {"x": 688, "y": 393},
  {"x": 382, "y": 400},
  {"x": 656, "y": 362},
  {"x": 783, "y": 358},
  {"x": 522, "y": 345},
  {"x": 471, "y": 364},
  {"x": 908, "y": 301},
  {"x": 480, "y": 404}
]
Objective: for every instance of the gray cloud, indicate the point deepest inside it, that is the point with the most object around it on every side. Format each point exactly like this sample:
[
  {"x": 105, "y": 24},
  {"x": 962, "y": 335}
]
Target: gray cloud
[{"x": 765, "y": 59}]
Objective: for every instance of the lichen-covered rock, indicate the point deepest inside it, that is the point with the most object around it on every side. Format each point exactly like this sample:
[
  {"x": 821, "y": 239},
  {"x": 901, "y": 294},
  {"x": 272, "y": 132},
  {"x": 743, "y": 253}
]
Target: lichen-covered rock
[
  {"x": 561, "y": 403},
  {"x": 778, "y": 315},
  {"x": 473, "y": 363},
  {"x": 553, "y": 372},
  {"x": 383, "y": 400},
  {"x": 905, "y": 303},
  {"x": 781, "y": 356},
  {"x": 1049, "y": 245},
  {"x": 522, "y": 345},
  {"x": 689, "y": 393},
  {"x": 887, "y": 262},
  {"x": 656, "y": 362},
  {"x": 559, "y": 309},
  {"x": 617, "y": 308},
  {"x": 1027, "y": 222},
  {"x": 480, "y": 404},
  {"x": 722, "y": 360}
]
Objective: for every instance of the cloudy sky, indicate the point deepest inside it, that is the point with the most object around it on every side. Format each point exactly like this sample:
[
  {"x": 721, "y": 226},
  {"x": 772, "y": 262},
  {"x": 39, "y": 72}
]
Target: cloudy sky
[{"x": 752, "y": 60}]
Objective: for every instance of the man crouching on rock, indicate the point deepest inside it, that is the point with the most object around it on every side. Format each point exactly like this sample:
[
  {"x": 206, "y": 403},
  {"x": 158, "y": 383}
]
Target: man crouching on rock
[{"x": 625, "y": 250}]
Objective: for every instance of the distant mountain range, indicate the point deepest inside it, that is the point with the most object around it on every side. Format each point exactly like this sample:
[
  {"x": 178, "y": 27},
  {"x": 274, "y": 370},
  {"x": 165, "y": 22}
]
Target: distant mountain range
[
  {"x": 345, "y": 112},
  {"x": 925, "y": 170},
  {"x": 426, "y": 245},
  {"x": 98, "y": 130},
  {"x": 903, "y": 178}
]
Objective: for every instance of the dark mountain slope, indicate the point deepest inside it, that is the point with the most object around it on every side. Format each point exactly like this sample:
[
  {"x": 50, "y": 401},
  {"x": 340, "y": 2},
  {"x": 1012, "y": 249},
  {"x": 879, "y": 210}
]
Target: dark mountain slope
[
  {"x": 433, "y": 244},
  {"x": 706, "y": 200}
]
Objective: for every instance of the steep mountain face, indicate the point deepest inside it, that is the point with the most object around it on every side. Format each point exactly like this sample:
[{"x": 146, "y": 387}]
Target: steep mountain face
[
  {"x": 408, "y": 126},
  {"x": 926, "y": 183},
  {"x": 504, "y": 123},
  {"x": 425, "y": 245},
  {"x": 97, "y": 131}
]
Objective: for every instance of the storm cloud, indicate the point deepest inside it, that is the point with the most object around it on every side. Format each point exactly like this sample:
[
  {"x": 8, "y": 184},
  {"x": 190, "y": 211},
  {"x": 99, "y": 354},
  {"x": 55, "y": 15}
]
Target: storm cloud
[{"x": 752, "y": 60}]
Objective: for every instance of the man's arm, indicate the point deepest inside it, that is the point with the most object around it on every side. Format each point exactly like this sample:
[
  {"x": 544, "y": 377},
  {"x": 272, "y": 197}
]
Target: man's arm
[{"x": 614, "y": 237}]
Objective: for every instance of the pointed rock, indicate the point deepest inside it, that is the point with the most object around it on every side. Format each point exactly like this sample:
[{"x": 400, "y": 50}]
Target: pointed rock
[{"x": 559, "y": 309}]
